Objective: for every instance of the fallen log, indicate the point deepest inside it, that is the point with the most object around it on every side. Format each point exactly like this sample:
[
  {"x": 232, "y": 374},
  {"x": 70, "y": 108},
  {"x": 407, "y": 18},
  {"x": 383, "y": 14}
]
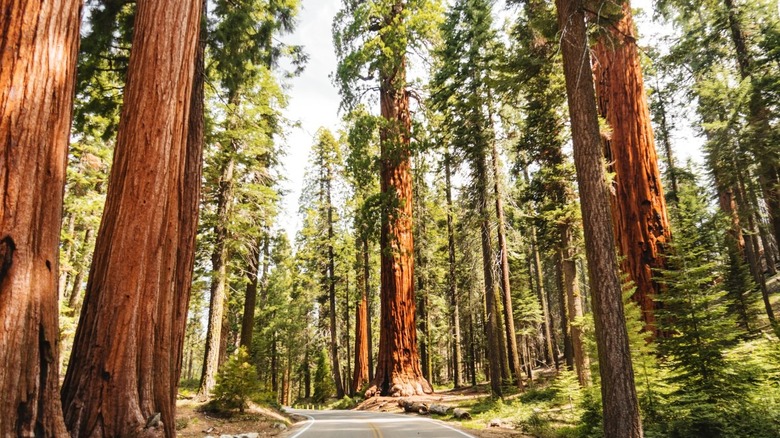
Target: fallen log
[
  {"x": 412, "y": 406},
  {"x": 461, "y": 414},
  {"x": 439, "y": 409}
]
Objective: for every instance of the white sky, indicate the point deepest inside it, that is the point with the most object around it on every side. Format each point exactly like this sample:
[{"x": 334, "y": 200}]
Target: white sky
[{"x": 314, "y": 101}]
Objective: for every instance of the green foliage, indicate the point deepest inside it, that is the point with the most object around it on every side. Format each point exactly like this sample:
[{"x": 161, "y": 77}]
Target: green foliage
[
  {"x": 345, "y": 403},
  {"x": 324, "y": 387},
  {"x": 372, "y": 39},
  {"x": 712, "y": 387},
  {"x": 236, "y": 382}
]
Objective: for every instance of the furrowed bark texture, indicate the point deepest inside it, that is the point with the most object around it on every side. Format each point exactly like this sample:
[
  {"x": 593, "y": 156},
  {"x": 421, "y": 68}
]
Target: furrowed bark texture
[
  {"x": 398, "y": 363},
  {"x": 641, "y": 225},
  {"x": 190, "y": 205},
  {"x": 126, "y": 355},
  {"x": 620, "y": 406},
  {"x": 38, "y": 48}
]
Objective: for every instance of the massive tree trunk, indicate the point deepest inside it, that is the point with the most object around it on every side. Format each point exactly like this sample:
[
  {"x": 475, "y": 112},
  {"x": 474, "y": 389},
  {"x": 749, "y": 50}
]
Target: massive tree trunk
[
  {"x": 457, "y": 355},
  {"x": 621, "y": 408},
  {"x": 360, "y": 376},
  {"x": 509, "y": 319},
  {"x": 398, "y": 364},
  {"x": 126, "y": 359},
  {"x": 38, "y": 47},
  {"x": 641, "y": 225}
]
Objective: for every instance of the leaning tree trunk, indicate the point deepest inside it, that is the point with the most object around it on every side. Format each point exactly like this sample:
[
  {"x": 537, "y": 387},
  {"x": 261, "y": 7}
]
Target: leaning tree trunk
[
  {"x": 620, "y": 405},
  {"x": 641, "y": 225},
  {"x": 126, "y": 359},
  {"x": 398, "y": 364},
  {"x": 38, "y": 47},
  {"x": 457, "y": 354}
]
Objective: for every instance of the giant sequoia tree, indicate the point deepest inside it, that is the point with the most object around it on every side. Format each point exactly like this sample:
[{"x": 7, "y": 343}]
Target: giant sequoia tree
[
  {"x": 126, "y": 358},
  {"x": 639, "y": 215},
  {"x": 621, "y": 408},
  {"x": 38, "y": 45},
  {"x": 372, "y": 40}
]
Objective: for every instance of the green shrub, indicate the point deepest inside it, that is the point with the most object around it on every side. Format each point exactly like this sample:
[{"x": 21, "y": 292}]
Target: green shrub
[
  {"x": 323, "y": 382},
  {"x": 236, "y": 382},
  {"x": 346, "y": 403}
]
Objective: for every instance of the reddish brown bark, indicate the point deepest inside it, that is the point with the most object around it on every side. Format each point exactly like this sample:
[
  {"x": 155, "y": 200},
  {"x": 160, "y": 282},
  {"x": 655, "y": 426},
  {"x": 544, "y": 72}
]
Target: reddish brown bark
[
  {"x": 620, "y": 405},
  {"x": 360, "y": 376},
  {"x": 126, "y": 358},
  {"x": 38, "y": 47},
  {"x": 641, "y": 225},
  {"x": 398, "y": 363}
]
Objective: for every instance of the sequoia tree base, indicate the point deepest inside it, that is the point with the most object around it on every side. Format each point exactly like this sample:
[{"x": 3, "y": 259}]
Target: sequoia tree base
[{"x": 399, "y": 386}]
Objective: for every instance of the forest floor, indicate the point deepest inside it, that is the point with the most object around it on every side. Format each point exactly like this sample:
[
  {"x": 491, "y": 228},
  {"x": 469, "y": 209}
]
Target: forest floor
[{"x": 193, "y": 421}]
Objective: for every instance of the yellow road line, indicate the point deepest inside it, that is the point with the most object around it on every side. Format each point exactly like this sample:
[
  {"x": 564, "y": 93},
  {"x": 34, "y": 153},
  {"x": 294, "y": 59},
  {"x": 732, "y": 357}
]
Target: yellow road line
[{"x": 375, "y": 430}]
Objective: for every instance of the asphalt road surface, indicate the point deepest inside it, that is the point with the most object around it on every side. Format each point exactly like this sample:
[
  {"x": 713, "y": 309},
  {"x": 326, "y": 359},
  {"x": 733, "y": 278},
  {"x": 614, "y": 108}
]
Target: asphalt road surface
[{"x": 361, "y": 424}]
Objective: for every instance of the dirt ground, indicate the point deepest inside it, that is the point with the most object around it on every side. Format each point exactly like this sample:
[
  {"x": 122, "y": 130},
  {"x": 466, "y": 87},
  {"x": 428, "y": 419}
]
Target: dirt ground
[{"x": 191, "y": 422}]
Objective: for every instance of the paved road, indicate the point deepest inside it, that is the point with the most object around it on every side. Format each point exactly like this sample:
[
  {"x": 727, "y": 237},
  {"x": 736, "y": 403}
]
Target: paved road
[{"x": 361, "y": 424}]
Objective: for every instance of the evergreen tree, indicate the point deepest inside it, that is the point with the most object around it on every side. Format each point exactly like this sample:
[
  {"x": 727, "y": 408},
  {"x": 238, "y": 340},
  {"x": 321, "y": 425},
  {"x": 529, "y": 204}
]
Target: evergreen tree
[
  {"x": 462, "y": 92},
  {"x": 700, "y": 326},
  {"x": 621, "y": 409},
  {"x": 323, "y": 383},
  {"x": 372, "y": 39}
]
